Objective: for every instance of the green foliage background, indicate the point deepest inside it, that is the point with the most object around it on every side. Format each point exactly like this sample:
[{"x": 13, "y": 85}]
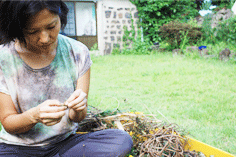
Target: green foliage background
[
  {"x": 155, "y": 13},
  {"x": 178, "y": 34},
  {"x": 226, "y": 31}
]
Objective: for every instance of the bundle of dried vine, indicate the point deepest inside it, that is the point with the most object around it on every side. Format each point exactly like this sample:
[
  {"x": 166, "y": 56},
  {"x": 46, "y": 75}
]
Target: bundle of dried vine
[
  {"x": 165, "y": 142},
  {"x": 151, "y": 137}
]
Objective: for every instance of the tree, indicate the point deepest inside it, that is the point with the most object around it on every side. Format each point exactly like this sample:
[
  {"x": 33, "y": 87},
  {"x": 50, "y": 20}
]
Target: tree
[{"x": 155, "y": 13}]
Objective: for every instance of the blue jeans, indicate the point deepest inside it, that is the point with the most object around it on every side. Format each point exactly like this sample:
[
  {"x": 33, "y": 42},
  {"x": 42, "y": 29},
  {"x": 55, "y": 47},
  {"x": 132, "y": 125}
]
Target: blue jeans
[{"x": 110, "y": 142}]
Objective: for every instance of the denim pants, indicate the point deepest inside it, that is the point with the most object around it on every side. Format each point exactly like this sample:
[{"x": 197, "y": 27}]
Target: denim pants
[{"x": 110, "y": 142}]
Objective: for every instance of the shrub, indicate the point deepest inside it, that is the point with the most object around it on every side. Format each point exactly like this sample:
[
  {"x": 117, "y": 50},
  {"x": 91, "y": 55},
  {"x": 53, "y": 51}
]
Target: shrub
[
  {"x": 177, "y": 34},
  {"x": 223, "y": 4},
  {"x": 226, "y": 31},
  {"x": 155, "y": 13},
  {"x": 207, "y": 32}
]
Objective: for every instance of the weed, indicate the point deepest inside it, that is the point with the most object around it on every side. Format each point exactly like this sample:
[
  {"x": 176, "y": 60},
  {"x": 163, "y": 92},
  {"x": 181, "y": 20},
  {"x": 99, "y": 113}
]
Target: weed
[{"x": 94, "y": 47}]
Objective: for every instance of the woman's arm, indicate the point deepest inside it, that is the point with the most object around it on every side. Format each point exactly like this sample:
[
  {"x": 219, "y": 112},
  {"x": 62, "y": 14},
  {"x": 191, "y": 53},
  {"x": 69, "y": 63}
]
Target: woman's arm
[
  {"x": 48, "y": 113},
  {"x": 78, "y": 100},
  {"x": 12, "y": 121}
]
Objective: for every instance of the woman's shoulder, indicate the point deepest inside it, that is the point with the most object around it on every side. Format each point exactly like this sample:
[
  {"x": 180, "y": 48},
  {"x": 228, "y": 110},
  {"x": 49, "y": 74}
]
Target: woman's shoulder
[
  {"x": 6, "y": 50},
  {"x": 6, "y": 47}
]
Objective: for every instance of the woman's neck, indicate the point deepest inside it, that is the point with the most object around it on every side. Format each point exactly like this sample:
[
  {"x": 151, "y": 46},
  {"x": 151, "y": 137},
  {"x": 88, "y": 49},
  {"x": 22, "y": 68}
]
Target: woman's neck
[{"x": 36, "y": 58}]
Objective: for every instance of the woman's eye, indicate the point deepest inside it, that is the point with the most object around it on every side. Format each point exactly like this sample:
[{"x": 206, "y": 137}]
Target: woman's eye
[
  {"x": 32, "y": 32},
  {"x": 51, "y": 27}
]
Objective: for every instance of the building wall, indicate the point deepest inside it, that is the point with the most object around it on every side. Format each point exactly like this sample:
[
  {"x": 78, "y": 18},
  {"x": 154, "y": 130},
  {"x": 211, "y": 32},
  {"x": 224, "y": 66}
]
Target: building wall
[
  {"x": 81, "y": 23},
  {"x": 112, "y": 16},
  {"x": 101, "y": 22}
]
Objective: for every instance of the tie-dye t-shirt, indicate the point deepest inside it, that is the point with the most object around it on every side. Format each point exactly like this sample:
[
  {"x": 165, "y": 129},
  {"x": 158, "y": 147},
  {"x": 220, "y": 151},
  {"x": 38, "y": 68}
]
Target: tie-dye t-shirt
[{"x": 30, "y": 87}]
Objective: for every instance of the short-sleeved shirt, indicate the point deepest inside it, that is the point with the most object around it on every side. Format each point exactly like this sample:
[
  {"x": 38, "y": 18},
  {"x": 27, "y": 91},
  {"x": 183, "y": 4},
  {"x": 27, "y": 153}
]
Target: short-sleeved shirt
[{"x": 30, "y": 87}]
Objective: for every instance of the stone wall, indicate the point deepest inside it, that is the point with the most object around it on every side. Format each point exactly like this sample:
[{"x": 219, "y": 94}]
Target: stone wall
[
  {"x": 220, "y": 16},
  {"x": 115, "y": 17}
]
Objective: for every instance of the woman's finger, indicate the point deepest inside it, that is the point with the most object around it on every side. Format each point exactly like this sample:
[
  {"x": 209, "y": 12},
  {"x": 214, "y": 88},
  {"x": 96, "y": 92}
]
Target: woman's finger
[
  {"x": 78, "y": 100},
  {"x": 52, "y": 123},
  {"x": 82, "y": 105},
  {"x": 52, "y": 109},
  {"x": 56, "y": 115},
  {"x": 74, "y": 95},
  {"x": 52, "y": 103},
  {"x": 48, "y": 120},
  {"x": 80, "y": 108}
]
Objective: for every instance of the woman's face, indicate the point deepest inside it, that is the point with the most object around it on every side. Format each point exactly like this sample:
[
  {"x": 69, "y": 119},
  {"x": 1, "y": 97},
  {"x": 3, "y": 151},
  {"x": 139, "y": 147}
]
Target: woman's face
[{"x": 42, "y": 31}]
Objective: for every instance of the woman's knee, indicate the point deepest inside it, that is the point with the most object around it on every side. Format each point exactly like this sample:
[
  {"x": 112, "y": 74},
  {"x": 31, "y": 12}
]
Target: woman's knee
[
  {"x": 123, "y": 143},
  {"x": 123, "y": 137},
  {"x": 115, "y": 135},
  {"x": 118, "y": 142}
]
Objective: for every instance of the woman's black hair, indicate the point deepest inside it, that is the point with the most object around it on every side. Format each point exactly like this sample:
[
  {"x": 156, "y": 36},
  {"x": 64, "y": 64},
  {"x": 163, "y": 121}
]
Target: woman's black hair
[{"x": 14, "y": 16}]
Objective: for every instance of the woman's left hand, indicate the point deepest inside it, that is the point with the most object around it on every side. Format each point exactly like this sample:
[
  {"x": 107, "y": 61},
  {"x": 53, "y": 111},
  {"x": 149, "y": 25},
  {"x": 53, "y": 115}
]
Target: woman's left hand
[{"x": 77, "y": 101}]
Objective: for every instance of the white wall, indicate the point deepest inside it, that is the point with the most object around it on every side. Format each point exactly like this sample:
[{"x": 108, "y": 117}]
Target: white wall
[
  {"x": 102, "y": 6},
  {"x": 85, "y": 22}
]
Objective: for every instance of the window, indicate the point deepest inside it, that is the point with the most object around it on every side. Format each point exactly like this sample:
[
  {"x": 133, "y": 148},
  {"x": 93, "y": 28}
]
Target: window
[
  {"x": 81, "y": 19},
  {"x": 85, "y": 19},
  {"x": 70, "y": 27}
]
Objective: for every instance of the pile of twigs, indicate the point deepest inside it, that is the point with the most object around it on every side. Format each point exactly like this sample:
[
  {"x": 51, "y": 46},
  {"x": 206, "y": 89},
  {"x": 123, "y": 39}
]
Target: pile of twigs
[
  {"x": 150, "y": 137},
  {"x": 164, "y": 142}
]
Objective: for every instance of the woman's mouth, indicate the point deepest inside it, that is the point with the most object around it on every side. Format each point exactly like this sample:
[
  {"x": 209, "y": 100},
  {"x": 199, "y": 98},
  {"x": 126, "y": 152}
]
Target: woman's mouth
[{"x": 46, "y": 45}]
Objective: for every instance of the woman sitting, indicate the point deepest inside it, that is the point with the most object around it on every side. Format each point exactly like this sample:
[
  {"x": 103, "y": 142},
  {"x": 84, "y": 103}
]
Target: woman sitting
[{"x": 44, "y": 85}]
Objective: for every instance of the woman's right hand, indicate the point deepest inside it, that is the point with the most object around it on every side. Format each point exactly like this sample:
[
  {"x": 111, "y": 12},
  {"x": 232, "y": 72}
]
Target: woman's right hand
[{"x": 50, "y": 112}]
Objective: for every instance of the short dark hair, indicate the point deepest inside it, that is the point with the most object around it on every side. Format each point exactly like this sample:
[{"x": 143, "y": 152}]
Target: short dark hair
[{"x": 14, "y": 16}]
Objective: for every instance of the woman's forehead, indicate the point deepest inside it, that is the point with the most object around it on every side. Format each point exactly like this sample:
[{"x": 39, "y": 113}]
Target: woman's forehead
[{"x": 42, "y": 19}]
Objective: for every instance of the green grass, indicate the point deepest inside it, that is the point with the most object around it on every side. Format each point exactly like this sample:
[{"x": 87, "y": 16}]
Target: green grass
[{"x": 197, "y": 94}]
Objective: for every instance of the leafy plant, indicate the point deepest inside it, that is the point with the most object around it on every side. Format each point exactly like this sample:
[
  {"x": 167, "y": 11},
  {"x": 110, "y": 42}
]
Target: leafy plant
[
  {"x": 226, "y": 31},
  {"x": 208, "y": 32},
  {"x": 185, "y": 41},
  {"x": 206, "y": 5},
  {"x": 223, "y": 4},
  {"x": 133, "y": 43},
  {"x": 155, "y": 13},
  {"x": 193, "y": 22},
  {"x": 178, "y": 34},
  {"x": 94, "y": 47}
]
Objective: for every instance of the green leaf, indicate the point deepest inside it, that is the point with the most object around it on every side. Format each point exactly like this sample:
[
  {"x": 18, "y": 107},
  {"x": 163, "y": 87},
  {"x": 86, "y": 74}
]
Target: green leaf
[{"x": 158, "y": 13}]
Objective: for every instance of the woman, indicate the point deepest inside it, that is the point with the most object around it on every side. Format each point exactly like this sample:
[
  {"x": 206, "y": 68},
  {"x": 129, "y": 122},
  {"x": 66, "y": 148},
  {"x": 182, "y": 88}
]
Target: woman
[{"x": 44, "y": 84}]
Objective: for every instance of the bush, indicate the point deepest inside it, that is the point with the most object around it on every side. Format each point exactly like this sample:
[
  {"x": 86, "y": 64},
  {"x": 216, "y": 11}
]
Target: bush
[
  {"x": 155, "y": 13},
  {"x": 226, "y": 31},
  {"x": 207, "y": 32},
  {"x": 178, "y": 34},
  {"x": 223, "y": 4}
]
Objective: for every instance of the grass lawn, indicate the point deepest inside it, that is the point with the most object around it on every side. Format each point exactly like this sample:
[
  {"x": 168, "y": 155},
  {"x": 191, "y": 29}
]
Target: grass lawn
[{"x": 197, "y": 94}]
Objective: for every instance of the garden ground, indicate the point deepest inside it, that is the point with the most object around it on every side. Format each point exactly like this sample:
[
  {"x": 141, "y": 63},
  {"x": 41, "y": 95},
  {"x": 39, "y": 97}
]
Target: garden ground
[{"x": 197, "y": 94}]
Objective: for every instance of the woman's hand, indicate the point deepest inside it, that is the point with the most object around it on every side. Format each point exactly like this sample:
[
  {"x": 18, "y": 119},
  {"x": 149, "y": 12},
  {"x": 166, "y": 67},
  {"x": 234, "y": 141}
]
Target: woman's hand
[
  {"x": 49, "y": 112},
  {"x": 77, "y": 101}
]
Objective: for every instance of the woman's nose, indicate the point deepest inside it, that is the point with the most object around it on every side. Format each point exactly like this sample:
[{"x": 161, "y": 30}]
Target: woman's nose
[{"x": 44, "y": 37}]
